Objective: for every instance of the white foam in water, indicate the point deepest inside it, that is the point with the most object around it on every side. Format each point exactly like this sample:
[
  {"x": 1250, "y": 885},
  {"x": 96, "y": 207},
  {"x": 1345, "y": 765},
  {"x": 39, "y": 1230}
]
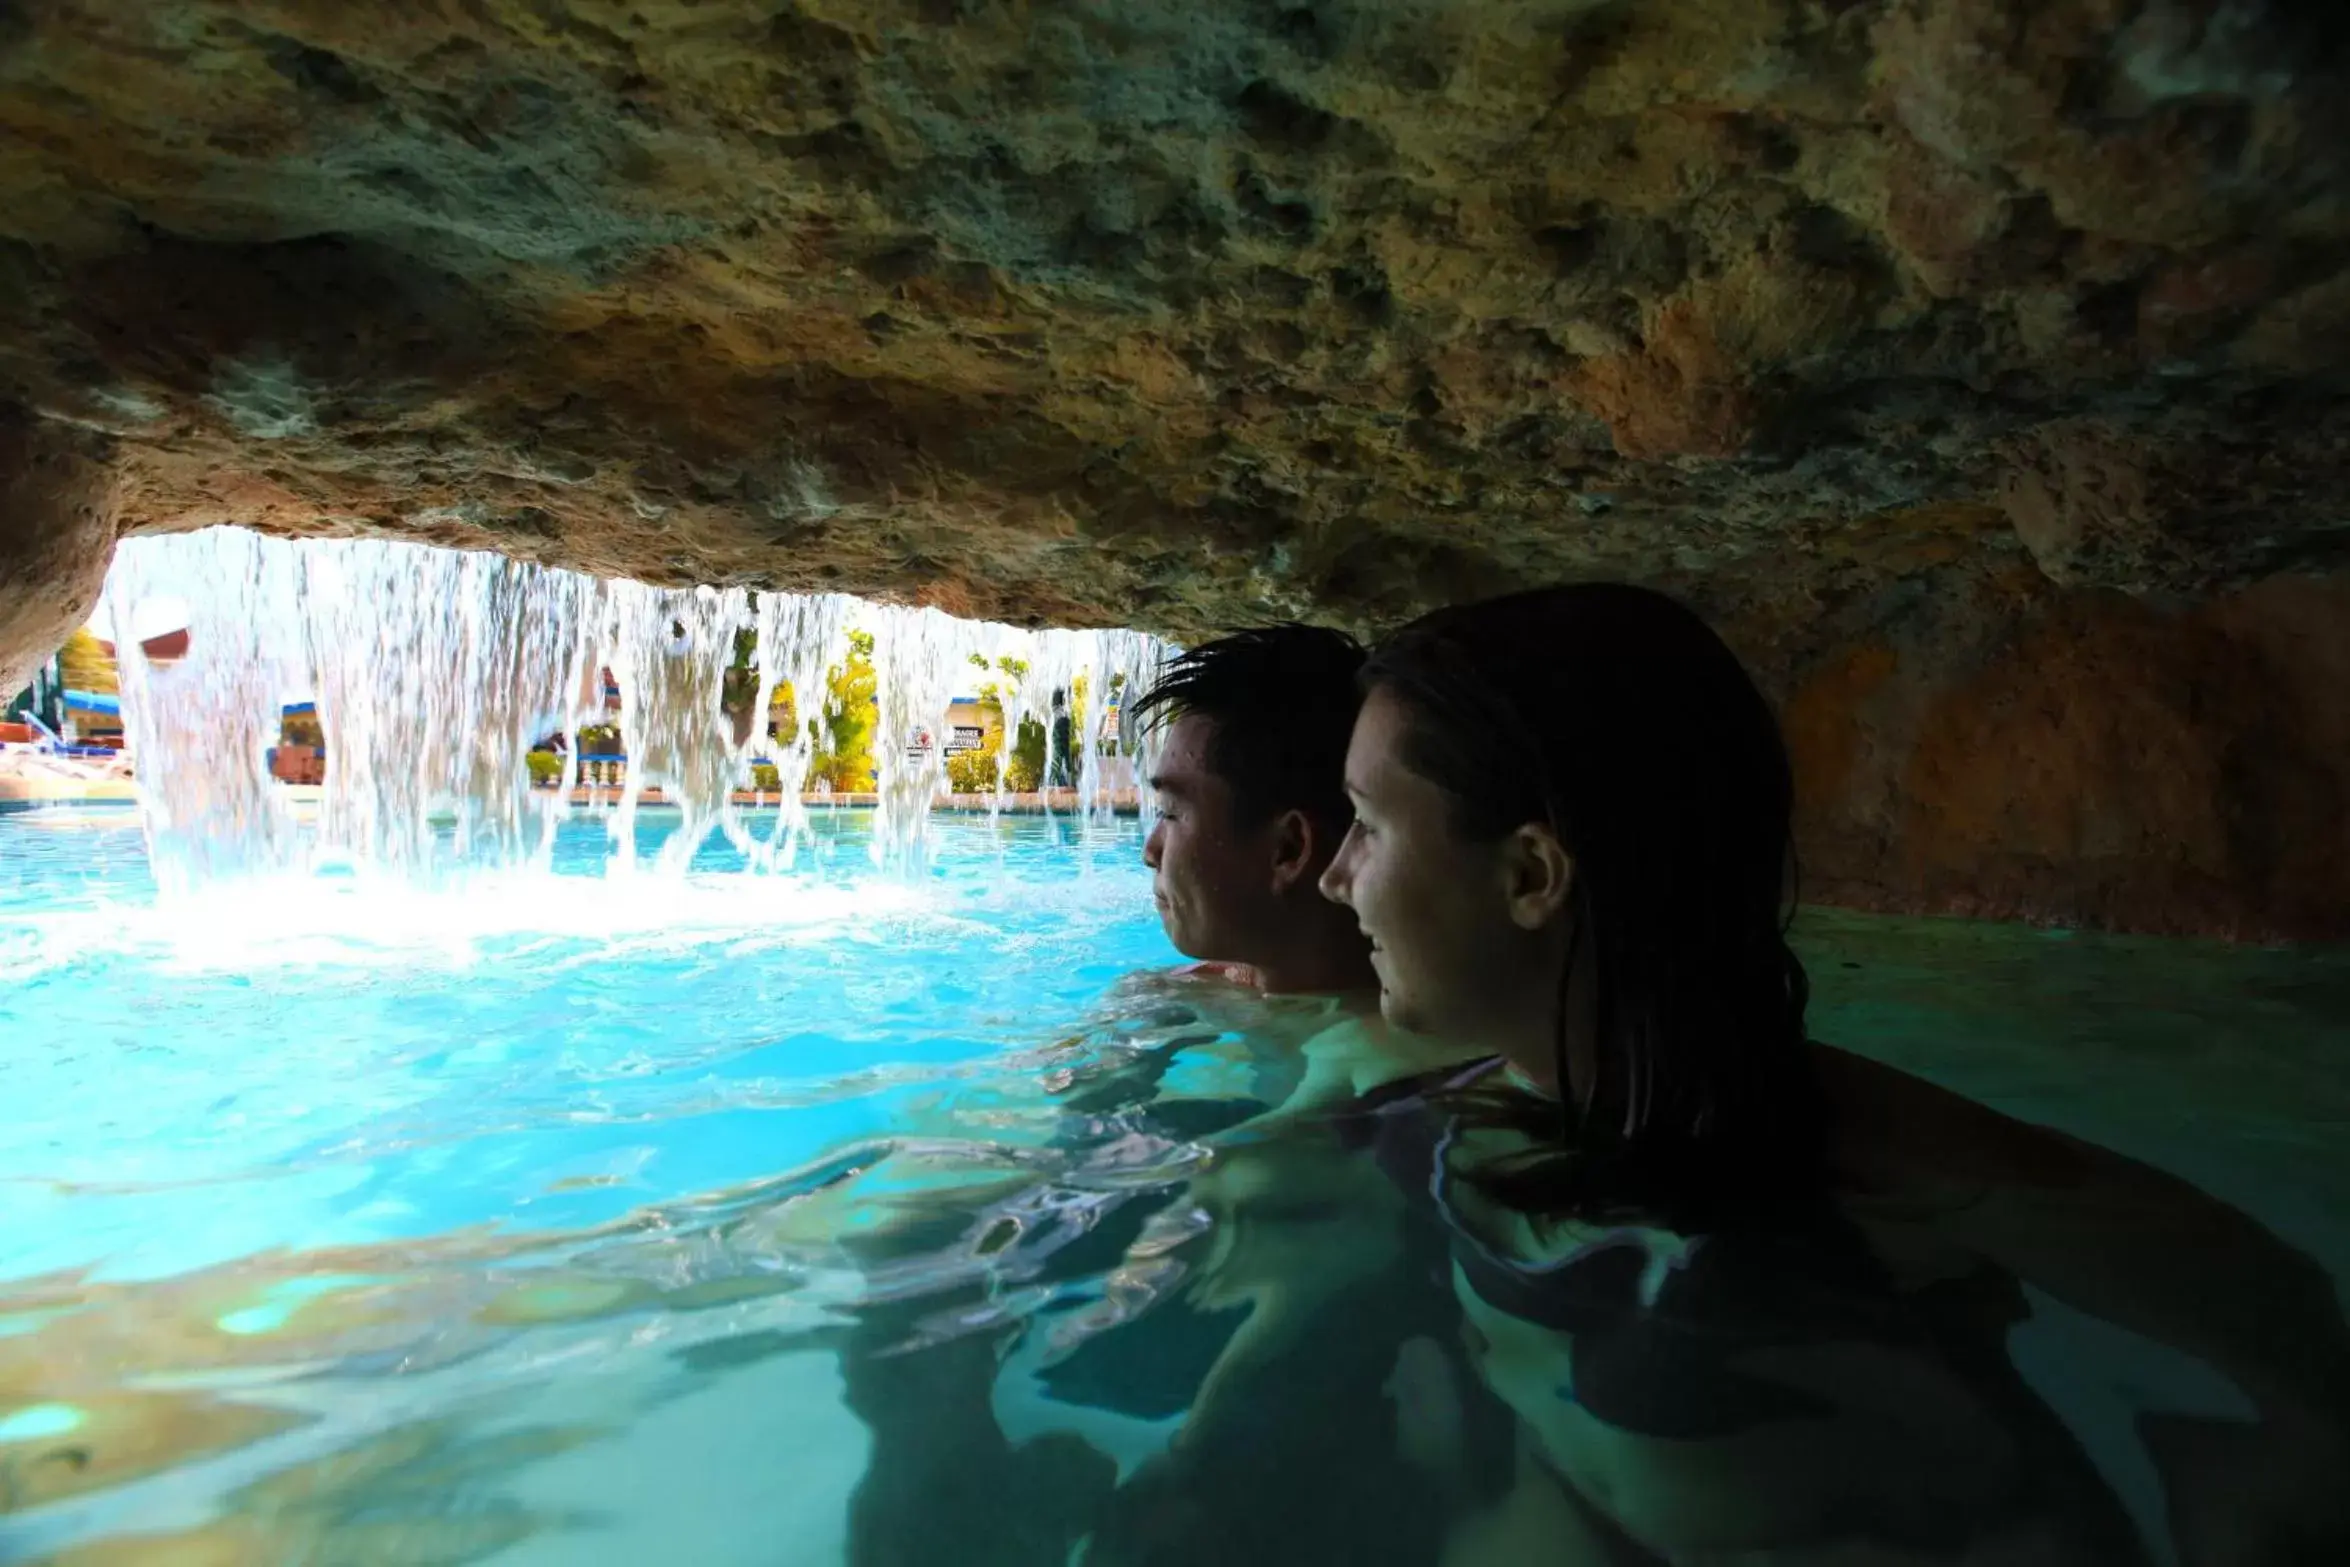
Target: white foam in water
[
  {"x": 293, "y": 921},
  {"x": 435, "y": 671}
]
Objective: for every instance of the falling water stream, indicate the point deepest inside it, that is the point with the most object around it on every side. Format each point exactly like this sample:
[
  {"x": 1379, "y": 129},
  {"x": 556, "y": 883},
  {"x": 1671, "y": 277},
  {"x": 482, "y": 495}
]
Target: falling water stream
[{"x": 436, "y": 672}]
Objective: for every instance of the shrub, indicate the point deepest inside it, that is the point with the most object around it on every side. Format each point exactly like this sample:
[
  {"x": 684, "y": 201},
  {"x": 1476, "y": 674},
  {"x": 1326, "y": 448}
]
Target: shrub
[
  {"x": 973, "y": 772},
  {"x": 1025, "y": 771},
  {"x": 545, "y": 768}
]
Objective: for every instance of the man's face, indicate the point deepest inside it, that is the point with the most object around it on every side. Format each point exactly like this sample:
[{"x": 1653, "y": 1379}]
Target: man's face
[{"x": 1213, "y": 881}]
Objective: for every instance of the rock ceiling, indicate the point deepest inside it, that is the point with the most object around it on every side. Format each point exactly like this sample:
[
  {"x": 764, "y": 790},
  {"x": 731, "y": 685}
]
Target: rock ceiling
[{"x": 1182, "y": 313}]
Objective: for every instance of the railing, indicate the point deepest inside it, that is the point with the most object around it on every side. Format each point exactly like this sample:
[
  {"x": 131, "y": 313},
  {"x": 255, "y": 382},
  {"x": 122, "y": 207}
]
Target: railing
[{"x": 602, "y": 769}]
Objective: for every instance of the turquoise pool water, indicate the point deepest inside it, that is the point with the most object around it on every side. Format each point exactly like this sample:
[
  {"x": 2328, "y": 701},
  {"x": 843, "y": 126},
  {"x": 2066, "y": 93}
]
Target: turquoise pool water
[
  {"x": 321, "y": 1062},
  {"x": 829, "y": 1217}
]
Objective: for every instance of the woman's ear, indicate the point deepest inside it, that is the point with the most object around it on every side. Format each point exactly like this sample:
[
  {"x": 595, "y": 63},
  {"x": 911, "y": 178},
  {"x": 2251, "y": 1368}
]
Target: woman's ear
[{"x": 1540, "y": 875}]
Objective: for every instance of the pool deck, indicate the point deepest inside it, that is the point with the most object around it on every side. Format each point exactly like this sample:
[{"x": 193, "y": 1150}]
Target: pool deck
[
  {"x": 1053, "y": 802},
  {"x": 30, "y": 778},
  {"x": 67, "y": 791},
  {"x": 28, "y": 792}
]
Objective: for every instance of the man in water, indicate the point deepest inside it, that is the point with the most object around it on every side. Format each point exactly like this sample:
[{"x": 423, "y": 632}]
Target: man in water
[{"x": 1252, "y": 806}]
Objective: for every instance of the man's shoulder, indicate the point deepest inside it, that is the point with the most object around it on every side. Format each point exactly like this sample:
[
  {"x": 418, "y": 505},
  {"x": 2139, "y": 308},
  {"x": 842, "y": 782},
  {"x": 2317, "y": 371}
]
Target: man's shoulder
[{"x": 1228, "y": 973}]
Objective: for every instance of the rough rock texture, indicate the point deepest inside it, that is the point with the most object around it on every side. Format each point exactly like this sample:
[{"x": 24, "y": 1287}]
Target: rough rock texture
[
  {"x": 2096, "y": 761},
  {"x": 59, "y": 518},
  {"x": 1845, "y": 317}
]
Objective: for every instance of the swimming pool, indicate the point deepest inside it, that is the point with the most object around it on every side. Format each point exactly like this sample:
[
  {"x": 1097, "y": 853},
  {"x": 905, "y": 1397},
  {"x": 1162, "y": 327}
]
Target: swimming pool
[{"x": 557, "y": 1217}]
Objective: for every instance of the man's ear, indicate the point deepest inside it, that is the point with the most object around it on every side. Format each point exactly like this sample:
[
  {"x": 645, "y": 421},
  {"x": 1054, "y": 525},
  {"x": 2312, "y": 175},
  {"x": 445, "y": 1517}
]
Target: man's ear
[
  {"x": 1539, "y": 876},
  {"x": 1296, "y": 850}
]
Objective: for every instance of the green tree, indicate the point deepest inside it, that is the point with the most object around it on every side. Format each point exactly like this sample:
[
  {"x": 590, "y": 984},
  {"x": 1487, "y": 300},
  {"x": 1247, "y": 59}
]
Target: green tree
[{"x": 842, "y": 734}]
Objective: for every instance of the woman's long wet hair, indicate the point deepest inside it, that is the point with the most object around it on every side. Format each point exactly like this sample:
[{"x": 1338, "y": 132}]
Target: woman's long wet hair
[{"x": 1616, "y": 716}]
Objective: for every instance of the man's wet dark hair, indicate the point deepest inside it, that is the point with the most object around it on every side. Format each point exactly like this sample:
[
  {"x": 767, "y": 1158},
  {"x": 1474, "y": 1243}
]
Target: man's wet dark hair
[
  {"x": 1281, "y": 701},
  {"x": 1615, "y": 716}
]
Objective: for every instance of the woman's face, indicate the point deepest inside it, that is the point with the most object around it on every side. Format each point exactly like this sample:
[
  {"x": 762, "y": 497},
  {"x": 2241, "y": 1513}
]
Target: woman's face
[{"x": 1443, "y": 912}]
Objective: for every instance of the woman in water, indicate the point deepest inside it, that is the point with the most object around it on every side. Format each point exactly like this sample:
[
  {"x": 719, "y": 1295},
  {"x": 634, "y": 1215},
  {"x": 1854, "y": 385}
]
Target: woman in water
[{"x": 1746, "y": 1292}]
